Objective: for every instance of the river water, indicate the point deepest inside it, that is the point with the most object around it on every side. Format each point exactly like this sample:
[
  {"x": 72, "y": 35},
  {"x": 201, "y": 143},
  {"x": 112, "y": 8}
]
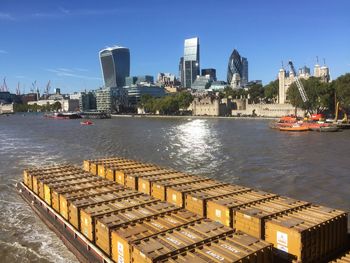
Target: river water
[{"x": 309, "y": 166}]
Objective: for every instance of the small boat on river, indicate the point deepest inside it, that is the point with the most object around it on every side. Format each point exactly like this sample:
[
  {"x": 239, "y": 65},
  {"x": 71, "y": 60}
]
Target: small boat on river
[
  {"x": 63, "y": 115},
  {"x": 295, "y": 128},
  {"x": 87, "y": 123}
]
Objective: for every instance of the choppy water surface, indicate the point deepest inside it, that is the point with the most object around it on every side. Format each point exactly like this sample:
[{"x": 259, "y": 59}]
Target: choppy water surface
[{"x": 309, "y": 166}]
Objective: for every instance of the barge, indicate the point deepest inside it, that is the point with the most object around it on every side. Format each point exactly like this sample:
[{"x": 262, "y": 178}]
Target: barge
[
  {"x": 122, "y": 210},
  {"x": 78, "y": 244}
]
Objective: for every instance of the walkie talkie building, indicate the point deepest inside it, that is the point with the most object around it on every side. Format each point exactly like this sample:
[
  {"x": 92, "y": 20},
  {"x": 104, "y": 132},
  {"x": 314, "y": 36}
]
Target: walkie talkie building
[{"x": 115, "y": 64}]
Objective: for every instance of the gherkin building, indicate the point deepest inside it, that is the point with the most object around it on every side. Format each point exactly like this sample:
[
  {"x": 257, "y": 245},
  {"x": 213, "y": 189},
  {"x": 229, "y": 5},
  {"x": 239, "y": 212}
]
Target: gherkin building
[{"x": 234, "y": 65}]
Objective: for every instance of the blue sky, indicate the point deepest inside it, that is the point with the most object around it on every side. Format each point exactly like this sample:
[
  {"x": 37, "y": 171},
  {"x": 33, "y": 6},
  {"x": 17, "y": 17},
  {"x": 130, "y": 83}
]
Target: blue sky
[{"x": 59, "y": 40}]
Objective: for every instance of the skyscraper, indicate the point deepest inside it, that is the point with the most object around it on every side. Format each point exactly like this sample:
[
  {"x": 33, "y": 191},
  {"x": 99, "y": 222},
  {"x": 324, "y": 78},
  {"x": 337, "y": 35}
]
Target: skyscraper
[
  {"x": 237, "y": 69},
  {"x": 115, "y": 64},
  {"x": 245, "y": 78},
  {"x": 191, "y": 61},
  {"x": 181, "y": 71}
]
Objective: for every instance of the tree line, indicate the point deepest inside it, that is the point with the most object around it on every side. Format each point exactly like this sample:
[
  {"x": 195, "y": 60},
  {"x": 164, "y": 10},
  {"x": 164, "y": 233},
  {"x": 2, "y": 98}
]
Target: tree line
[
  {"x": 37, "y": 108},
  {"x": 167, "y": 105},
  {"x": 322, "y": 96}
]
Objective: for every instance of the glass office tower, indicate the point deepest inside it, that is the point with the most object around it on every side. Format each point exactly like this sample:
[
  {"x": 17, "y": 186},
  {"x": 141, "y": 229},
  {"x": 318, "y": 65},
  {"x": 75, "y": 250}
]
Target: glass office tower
[
  {"x": 115, "y": 64},
  {"x": 237, "y": 65},
  {"x": 245, "y": 79},
  {"x": 190, "y": 61},
  {"x": 234, "y": 66}
]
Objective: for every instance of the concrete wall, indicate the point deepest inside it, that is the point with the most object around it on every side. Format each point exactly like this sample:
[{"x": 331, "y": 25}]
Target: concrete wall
[
  {"x": 268, "y": 110},
  {"x": 205, "y": 106}
]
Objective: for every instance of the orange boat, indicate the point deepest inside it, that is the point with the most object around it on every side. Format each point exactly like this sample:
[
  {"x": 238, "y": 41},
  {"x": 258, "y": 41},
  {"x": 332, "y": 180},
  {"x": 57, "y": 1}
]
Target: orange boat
[{"x": 295, "y": 128}]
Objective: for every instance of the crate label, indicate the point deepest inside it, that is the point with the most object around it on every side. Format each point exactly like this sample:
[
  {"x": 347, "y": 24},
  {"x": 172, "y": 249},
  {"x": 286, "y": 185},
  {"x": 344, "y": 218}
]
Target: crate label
[
  {"x": 176, "y": 242},
  {"x": 174, "y": 197},
  {"x": 282, "y": 238},
  {"x": 214, "y": 255},
  {"x": 283, "y": 248},
  {"x": 189, "y": 235},
  {"x": 120, "y": 253},
  {"x": 145, "y": 212},
  {"x": 157, "y": 225},
  {"x": 247, "y": 217},
  {"x": 171, "y": 220},
  {"x": 217, "y": 212},
  {"x": 232, "y": 249}
]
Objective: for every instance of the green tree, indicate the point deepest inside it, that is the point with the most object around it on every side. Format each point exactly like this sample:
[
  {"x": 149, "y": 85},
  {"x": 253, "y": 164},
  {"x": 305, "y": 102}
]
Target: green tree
[
  {"x": 319, "y": 95},
  {"x": 342, "y": 90},
  {"x": 271, "y": 91},
  {"x": 56, "y": 106},
  {"x": 256, "y": 93},
  {"x": 184, "y": 99}
]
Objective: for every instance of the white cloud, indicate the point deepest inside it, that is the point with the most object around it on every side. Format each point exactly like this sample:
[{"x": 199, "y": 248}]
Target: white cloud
[
  {"x": 65, "y": 72},
  {"x": 6, "y": 16}
]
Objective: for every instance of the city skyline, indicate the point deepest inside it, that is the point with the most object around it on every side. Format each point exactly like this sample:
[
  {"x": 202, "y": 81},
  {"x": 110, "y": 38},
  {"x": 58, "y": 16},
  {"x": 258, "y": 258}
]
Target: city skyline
[{"x": 60, "y": 41}]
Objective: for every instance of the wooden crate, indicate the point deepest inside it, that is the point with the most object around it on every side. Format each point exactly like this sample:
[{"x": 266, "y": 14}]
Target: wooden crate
[
  {"x": 102, "y": 167},
  {"x": 106, "y": 224},
  {"x": 176, "y": 194},
  {"x": 178, "y": 240},
  {"x": 30, "y": 173},
  {"x": 237, "y": 247},
  {"x": 87, "y": 163},
  {"x": 131, "y": 176},
  {"x": 196, "y": 201},
  {"x": 89, "y": 215},
  {"x": 309, "y": 234},
  {"x": 158, "y": 189},
  {"x": 55, "y": 193},
  {"x": 221, "y": 209},
  {"x": 77, "y": 205},
  {"x": 123, "y": 237},
  {"x": 145, "y": 181},
  {"x": 40, "y": 182},
  {"x": 251, "y": 219},
  {"x": 46, "y": 195}
]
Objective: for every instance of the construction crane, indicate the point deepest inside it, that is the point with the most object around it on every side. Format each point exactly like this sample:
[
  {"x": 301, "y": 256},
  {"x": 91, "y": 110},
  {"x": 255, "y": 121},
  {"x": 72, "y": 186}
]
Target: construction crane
[
  {"x": 4, "y": 86},
  {"x": 47, "y": 89},
  {"x": 299, "y": 84},
  {"x": 18, "y": 90}
]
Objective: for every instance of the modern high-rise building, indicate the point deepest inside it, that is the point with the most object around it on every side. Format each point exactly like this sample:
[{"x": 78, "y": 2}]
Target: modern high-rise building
[
  {"x": 190, "y": 61},
  {"x": 237, "y": 70},
  {"x": 211, "y": 72},
  {"x": 245, "y": 78},
  {"x": 115, "y": 64},
  {"x": 181, "y": 71}
]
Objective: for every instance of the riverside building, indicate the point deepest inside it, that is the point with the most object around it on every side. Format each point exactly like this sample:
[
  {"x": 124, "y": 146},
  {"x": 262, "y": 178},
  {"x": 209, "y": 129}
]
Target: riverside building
[{"x": 111, "y": 99}]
